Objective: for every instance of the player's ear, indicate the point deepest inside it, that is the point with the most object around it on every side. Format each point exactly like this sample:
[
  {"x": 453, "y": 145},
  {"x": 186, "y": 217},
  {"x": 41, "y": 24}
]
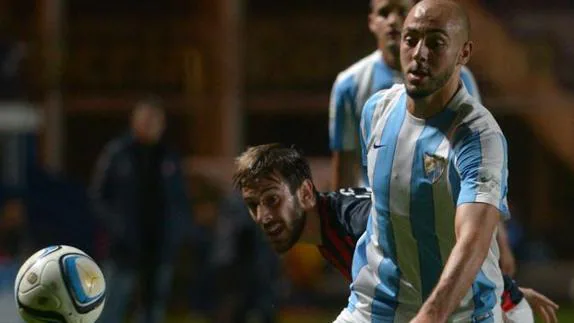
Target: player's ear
[
  {"x": 465, "y": 53},
  {"x": 306, "y": 195}
]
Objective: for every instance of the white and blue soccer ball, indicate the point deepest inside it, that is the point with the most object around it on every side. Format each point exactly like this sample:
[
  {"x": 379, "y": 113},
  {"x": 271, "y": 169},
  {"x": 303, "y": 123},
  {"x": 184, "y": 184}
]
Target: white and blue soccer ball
[{"x": 60, "y": 284}]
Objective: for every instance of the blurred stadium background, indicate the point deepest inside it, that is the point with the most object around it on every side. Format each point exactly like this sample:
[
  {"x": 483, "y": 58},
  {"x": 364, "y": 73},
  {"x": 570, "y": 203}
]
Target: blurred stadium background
[{"x": 234, "y": 73}]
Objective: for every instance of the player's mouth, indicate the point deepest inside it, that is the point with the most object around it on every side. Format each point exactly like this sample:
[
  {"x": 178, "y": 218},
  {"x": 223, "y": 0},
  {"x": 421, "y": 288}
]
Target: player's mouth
[
  {"x": 417, "y": 75},
  {"x": 274, "y": 230}
]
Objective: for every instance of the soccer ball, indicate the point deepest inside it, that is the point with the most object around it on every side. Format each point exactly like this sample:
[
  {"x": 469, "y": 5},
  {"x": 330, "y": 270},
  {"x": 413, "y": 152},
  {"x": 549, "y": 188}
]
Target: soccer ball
[{"x": 60, "y": 284}]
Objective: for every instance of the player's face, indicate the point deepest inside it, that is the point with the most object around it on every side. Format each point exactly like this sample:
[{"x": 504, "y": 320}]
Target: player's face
[
  {"x": 148, "y": 123},
  {"x": 276, "y": 210},
  {"x": 429, "y": 51},
  {"x": 385, "y": 22}
]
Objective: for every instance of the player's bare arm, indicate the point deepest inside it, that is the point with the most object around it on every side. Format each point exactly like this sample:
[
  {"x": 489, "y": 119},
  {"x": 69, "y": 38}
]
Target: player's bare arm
[{"x": 475, "y": 224}]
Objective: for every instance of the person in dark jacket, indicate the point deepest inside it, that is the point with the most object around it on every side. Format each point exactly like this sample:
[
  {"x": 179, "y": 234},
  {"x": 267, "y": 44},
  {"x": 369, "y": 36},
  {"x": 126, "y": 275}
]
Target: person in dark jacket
[{"x": 138, "y": 191}]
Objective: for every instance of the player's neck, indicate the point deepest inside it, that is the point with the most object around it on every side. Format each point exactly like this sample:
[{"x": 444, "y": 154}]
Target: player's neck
[
  {"x": 391, "y": 60},
  {"x": 312, "y": 230},
  {"x": 433, "y": 104}
]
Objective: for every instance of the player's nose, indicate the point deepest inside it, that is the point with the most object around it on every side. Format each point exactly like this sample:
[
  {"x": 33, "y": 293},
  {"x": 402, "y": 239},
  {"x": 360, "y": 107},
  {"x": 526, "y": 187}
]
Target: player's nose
[
  {"x": 421, "y": 51},
  {"x": 263, "y": 216},
  {"x": 394, "y": 19}
]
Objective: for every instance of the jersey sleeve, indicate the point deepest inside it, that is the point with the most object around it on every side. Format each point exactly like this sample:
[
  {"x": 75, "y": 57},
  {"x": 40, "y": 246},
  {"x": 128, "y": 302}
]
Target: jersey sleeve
[
  {"x": 470, "y": 83},
  {"x": 342, "y": 122},
  {"x": 481, "y": 161}
]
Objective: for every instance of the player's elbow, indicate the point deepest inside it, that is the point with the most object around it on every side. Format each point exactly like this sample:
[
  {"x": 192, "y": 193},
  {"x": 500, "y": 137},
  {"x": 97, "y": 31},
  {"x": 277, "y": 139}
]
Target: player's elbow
[{"x": 476, "y": 225}]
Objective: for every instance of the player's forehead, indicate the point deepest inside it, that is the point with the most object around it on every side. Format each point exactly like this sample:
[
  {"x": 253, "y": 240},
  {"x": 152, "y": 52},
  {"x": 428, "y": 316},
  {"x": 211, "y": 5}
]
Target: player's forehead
[
  {"x": 263, "y": 185},
  {"x": 428, "y": 19},
  {"x": 377, "y": 5}
]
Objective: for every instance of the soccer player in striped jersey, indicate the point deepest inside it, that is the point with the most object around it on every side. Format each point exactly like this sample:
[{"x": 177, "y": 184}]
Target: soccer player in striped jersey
[
  {"x": 353, "y": 86},
  {"x": 276, "y": 184},
  {"x": 437, "y": 162}
]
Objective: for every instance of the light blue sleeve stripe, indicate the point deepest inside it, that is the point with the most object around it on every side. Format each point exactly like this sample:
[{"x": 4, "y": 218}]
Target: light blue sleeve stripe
[
  {"x": 470, "y": 83},
  {"x": 453, "y": 178},
  {"x": 468, "y": 152},
  {"x": 481, "y": 162},
  {"x": 340, "y": 112},
  {"x": 503, "y": 207}
]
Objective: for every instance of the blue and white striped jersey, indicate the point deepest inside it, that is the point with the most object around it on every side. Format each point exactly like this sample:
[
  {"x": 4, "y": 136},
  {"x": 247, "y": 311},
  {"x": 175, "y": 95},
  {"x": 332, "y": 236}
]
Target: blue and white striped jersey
[
  {"x": 355, "y": 85},
  {"x": 352, "y": 89},
  {"x": 420, "y": 170}
]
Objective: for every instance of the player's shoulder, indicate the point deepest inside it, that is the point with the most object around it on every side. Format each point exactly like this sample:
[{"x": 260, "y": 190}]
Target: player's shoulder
[
  {"x": 469, "y": 82},
  {"x": 466, "y": 72},
  {"x": 382, "y": 100},
  {"x": 387, "y": 96},
  {"x": 473, "y": 116},
  {"x": 350, "y": 208},
  {"x": 468, "y": 79},
  {"x": 346, "y": 198},
  {"x": 112, "y": 150},
  {"x": 347, "y": 77}
]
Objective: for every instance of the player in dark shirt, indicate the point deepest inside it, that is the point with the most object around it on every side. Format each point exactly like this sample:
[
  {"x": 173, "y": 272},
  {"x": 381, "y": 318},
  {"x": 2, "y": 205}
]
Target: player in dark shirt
[{"x": 277, "y": 187}]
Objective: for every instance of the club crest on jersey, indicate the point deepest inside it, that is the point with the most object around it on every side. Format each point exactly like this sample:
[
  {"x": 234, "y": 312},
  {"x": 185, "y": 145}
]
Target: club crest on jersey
[{"x": 434, "y": 167}]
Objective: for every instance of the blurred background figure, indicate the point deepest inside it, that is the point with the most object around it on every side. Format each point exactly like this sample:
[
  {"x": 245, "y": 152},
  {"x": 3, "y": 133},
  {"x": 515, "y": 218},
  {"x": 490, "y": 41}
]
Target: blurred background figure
[
  {"x": 197, "y": 276},
  {"x": 247, "y": 269},
  {"x": 14, "y": 248},
  {"x": 139, "y": 194},
  {"x": 13, "y": 53}
]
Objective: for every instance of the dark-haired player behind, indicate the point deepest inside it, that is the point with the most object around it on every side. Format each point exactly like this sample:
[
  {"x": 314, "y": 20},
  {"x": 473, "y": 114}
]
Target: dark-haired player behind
[{"x": 277, "y": 187}]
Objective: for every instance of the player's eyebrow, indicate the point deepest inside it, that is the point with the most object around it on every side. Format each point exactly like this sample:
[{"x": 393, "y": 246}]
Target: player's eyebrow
[
  {"x": 273, "y": 178},
  {"x": 426, "y": 31},
  {"x": 267, "y": 189},
  {"x": 258, "y": 193}
]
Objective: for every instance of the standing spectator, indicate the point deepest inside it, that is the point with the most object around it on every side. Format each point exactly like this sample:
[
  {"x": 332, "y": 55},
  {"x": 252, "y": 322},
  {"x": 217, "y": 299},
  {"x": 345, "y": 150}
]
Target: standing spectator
[{"x": 139, "y": 194}]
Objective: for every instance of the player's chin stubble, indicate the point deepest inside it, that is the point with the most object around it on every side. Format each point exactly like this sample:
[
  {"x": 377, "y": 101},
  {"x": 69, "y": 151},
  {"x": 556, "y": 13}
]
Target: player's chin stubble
[
  {"x": 434, "y": 84},
  {"x": 295, "y": 232}
]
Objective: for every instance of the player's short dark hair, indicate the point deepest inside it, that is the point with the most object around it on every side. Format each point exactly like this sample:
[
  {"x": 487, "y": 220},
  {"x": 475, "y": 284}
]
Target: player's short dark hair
[{"x": 265, "y": 160}]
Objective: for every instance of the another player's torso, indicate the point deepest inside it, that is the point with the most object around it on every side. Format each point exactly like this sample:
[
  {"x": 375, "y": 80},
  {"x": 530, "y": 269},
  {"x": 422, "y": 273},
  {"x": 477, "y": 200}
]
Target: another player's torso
[
  {"x": 414, "y": 205},
  {"x": 411, "y": 233},
  {"x": 363, "y": 79}
]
